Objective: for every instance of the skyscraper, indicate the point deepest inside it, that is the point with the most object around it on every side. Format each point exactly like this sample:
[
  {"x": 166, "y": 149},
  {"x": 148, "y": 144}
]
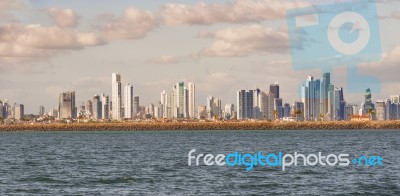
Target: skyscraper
[
  {"x": 367, "y": 106},
  {"x": 41, "y": 111},
  {"x": 325, "y": 82},
  {"x": 97, "y": 107},
  {"x": 105, "y": 107},
  {"x": 266, "y": 106},
  {"x": 116, "y": 96},
  {"x": 128, "y": 101},
  {"x": 66, "y": 106},
  {"x": 136, "y": 107},
  {"x": 191, "y": 99},
  {"x": 19, "y": 111},
  {"x": 164, "y": 104},
  {"x": 274, "y": 89},
  {"x": 245, "y": 104},
  {"x": 1, "y": 110},
  {"x": 228, "y": 112},
  {"x": 88, "y": 107},
  {"x": 256, "y": 103},
  {"x": 180, "y": 102},
  {"x": 380, "y": 110}
]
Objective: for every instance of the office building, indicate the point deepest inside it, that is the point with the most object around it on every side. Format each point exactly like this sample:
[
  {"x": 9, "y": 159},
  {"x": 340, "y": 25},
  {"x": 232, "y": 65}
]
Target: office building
[
  {"x": 66, "y": 106},
  {"x": 19, "y": 111},
  {"x": 228, "y": 112},
  {"x": 42, "y": 111},
  {"x": 380, "y": 110},
  {"x": 136, "y": 106},
  {"x": 191, "y": 99},
  {"x": 97, "y": 107},
  {"x": 116, "y": 97},
  {"x": 245, "y": 104},
  {"x": 274, "y": 89},
  {"x": 105, "y": 107},
  {"x": 128, "y": 101}
]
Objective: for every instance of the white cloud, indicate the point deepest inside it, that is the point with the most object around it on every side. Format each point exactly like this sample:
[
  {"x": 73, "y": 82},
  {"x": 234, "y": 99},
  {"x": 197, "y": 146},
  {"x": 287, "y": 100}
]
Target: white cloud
[
  {"x": 63, "y": 17},
  {"x": 247, "y": 40},
  {"x": 133, "y": 24},
  {"x": 7, "y": 5},
  {"x": 239, "y": 11},
  {"x": 165, "y": 59}
]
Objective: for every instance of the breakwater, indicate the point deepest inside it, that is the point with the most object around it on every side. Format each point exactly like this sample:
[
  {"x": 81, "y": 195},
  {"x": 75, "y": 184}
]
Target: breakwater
[{"x": 158, "y": 126}]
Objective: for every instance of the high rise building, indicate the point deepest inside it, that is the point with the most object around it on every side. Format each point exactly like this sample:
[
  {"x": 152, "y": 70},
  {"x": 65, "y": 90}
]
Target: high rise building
[
  {"x": 66, "y": 106},
  {"x": 274, "y": 89},
  {"x": 41, "y": 111},
  {"x": 164, "y": 104},
  {"x": 256, "y": 103},
  {"x": 308, "y": 97},
  {"x": 228, "y": 112},
  {"x": 128, "y": 101},
  {"x": 245, "y": 104},
  {"x": 380, "y": 110},
  {"x": 214, "y": 107},
  {"x": 105, "y": 107},
  {"x": 267, "y": 104},
  {"x": 116, "y": 96},
  {"x": 180, "y": 100},
  {"x": 19, "y": 111},
  {"x": 333, "y": 103},
  {"x": 286, "y": 110},
  {"x": 298, "y": 110},
  {"x": 1, "y": 110},
  {"x": 136, "y": 106},
  {"x": 324, "y": 89},
  {"x": 367, "y": 105},
  {"x": 191, "y": 99},
  {"x": 395, "y": 98},
  {"x": 97, "y": 107},
  {"x": 348, "y": 112},
  {"x": 88, "y": 108},
  {"x": 202, "y": 112}
]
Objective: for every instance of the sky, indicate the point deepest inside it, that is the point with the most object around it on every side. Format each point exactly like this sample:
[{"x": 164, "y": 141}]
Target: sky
[{"x": 51, "y": 46}]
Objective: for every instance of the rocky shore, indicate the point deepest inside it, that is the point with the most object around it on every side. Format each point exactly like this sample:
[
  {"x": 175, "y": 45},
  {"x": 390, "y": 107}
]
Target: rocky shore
[{"x": 147, "y": 126}]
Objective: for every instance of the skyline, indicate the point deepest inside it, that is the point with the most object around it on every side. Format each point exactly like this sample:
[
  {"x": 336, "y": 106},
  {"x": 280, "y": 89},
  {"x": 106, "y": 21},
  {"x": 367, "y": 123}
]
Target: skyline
[
  {"x": 319, "y": 99},
  {"x": 35, "y": 72}
]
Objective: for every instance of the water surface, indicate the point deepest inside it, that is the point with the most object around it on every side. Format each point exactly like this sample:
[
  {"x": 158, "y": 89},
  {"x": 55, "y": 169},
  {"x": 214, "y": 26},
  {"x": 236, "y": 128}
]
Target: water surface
[{"x": 155, "y": 163}]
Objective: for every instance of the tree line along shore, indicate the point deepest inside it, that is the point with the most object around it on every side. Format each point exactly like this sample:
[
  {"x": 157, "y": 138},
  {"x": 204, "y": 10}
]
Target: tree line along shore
[{"x": 189, "y": 126}]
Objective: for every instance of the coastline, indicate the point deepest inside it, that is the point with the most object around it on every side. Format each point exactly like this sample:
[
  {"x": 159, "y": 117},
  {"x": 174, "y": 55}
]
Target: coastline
[{"x": 193, "y": 126}]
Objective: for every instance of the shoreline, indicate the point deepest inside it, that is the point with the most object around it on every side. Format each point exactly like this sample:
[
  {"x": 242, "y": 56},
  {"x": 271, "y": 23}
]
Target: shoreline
[{"x": 195, "y": 126}]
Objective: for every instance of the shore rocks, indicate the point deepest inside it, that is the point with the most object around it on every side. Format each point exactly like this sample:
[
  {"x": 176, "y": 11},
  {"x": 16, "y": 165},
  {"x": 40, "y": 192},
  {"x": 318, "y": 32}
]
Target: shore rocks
[{"x": 152, "y": 126}]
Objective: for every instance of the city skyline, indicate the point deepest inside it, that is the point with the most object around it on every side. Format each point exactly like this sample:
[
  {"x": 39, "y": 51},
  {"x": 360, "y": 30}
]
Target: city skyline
[
  {"x": 61, "y": 46},
  {"x": 319, "y": 100}
]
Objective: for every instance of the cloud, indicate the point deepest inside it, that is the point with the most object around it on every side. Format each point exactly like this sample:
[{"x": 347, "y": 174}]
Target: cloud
[
  {"x": 7, "y": 5},
  {"x": 395, "y": 14},
  {"x": 246, "y": 41},
  {"x": 133, "y": 24},
  {"x": 63, "y": 18},
  {"x": 165, "y": 59},
  {"x": 22, "y": 45},
  {"x": 239, "y": 11}
]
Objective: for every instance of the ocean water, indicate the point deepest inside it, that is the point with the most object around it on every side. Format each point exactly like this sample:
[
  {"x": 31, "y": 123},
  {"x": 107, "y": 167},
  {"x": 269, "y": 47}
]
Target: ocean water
[{"x": 156, "y": 163}]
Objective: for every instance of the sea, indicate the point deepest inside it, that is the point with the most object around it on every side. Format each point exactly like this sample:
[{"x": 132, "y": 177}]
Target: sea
[{"x": 156, "y": 163}]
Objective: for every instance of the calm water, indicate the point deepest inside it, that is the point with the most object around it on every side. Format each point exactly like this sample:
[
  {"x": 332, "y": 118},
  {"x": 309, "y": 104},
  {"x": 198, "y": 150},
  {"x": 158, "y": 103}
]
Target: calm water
[{"x": 155, "y": 163}]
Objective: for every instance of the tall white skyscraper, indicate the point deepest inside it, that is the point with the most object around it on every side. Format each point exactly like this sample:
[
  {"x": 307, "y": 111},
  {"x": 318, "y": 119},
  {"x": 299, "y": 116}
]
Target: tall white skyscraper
[
  {"x": 116, "y": 96},
  {"x": 128, "y": 101},
  {"x": 164, "y": 104},
  {"x": 192, "y": 99}
]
